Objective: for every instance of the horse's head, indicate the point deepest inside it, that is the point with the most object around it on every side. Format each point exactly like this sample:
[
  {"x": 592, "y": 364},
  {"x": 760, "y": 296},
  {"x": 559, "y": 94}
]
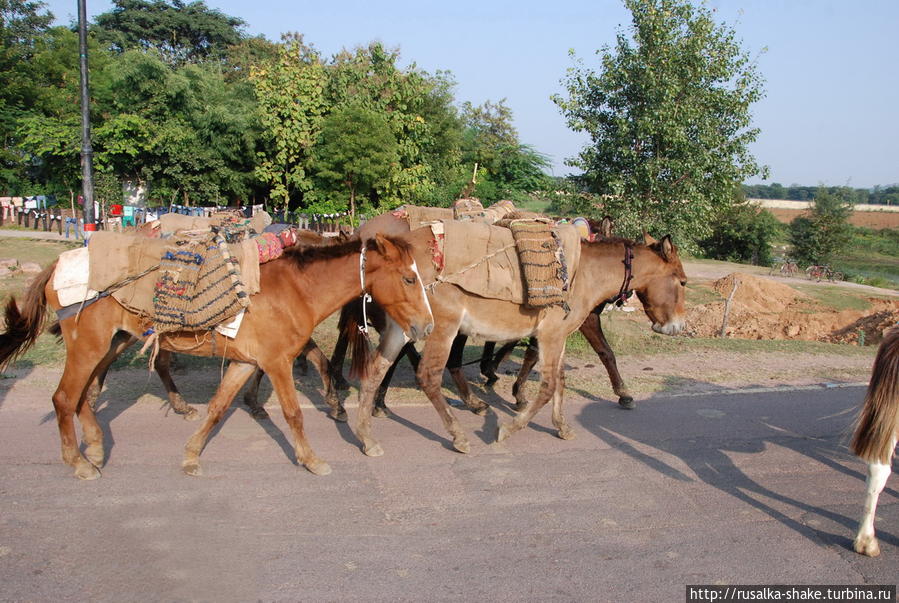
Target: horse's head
[
  {"x": 661, "y": 285},
  {"x": 396, "y": 285}
]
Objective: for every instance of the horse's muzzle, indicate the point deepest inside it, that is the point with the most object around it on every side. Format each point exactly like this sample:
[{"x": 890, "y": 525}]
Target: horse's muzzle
[
  {"x": 672, "y": 327},
  {"x": 419, "y": 332}
]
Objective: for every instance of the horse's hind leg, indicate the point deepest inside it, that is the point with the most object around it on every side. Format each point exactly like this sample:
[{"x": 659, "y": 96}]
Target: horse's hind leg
[
  {"x": 82, "y": 360},
  {"x": 235, "y": 376},
  {"x": 865, "y": 540}
]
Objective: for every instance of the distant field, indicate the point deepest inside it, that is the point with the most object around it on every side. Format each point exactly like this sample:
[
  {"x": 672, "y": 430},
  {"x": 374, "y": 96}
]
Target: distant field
[{"x": 866, "y": 216}]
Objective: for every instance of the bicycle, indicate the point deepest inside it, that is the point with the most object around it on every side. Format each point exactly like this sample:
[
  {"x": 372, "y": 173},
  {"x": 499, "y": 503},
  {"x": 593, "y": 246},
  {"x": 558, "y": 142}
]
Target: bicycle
[
  {"x": 823, "y": 271},
  {"x": 784, "y": 268}
]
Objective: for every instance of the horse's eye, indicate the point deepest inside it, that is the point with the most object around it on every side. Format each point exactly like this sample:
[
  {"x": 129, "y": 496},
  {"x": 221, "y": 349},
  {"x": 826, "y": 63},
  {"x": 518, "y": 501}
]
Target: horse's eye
[{"x": 409, "y": 280}]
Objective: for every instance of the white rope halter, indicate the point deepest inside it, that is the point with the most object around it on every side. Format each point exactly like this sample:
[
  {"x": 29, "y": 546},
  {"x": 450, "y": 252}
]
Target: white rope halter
[{"x": 366, "y": 298}]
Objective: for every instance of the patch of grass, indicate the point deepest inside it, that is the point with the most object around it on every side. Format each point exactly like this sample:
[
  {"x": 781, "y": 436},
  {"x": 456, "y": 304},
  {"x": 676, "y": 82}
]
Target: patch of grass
[
  {"x": 834, "y": 297},
  {"x": 47, "y": 351},
  {"x": 699, "y": 294}
]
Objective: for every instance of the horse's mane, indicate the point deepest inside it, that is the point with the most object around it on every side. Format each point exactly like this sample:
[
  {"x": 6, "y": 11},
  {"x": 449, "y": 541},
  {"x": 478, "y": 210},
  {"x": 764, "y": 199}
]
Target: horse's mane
[{"x": 303, "y": 254}]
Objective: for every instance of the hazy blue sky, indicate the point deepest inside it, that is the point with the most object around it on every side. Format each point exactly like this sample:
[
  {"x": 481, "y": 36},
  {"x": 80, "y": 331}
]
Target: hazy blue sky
[{"x": 832, "y": 80}]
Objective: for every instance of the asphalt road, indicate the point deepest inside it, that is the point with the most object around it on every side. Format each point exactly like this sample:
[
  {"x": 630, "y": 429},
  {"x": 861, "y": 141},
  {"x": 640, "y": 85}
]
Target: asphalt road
[{"x": 725, "y": 488}]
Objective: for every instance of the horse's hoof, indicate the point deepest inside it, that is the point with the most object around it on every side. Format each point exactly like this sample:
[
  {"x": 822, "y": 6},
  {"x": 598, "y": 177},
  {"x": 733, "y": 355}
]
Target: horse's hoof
[
  {"x": 566, "y": 433},
  {"x": 373, "y": 450},
  {"x": 519, "y": 405},
  {"x": 627, "y": 402},
  {"x": 867, "y": 546},
  {"x": 259, "y": 413},
  {"x": 86, "y": 471},
  {"x": 338, "y": 415},
  {"x": 380, "y": 412},
  {"x": 491, "y": 379},
  {"x": 96, "y": 457},
  {"x": 318, "y": 467},
  {"x": 190, "y": 414},
  {"x": 503, "y": 433},
  {"x": 191, "y": 468},
  {"x": 462, "y": 445}
]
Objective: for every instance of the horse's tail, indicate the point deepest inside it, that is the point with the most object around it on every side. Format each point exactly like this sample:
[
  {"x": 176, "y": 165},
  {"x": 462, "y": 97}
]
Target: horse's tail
[
  {"x": 877, "y": 426},
  {"x": 23, "y": 326},
  {"x": 360, "y": 351}
]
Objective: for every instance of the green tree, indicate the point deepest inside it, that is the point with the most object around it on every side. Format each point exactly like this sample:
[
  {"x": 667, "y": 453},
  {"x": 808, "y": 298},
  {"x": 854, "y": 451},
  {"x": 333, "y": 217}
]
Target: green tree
[
  {"x": 357, "y": 151},
  {"x": 23, "y": 26},
  {"x": 824, "y": 231},
  {"x": 742, "y": 233},
  {"x": 180, "y": 32},
  {"x": 290, "y": 93},
  {"x": 668, "y": 116}
]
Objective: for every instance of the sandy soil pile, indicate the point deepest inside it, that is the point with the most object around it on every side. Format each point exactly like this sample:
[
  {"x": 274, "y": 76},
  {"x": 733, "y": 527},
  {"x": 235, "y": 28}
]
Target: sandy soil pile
[{"x": 765, "y": 309}]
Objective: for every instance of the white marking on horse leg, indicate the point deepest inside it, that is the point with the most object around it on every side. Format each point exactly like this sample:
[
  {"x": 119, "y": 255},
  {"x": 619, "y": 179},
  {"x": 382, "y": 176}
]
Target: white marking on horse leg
[{"x": 865, "y": 540}]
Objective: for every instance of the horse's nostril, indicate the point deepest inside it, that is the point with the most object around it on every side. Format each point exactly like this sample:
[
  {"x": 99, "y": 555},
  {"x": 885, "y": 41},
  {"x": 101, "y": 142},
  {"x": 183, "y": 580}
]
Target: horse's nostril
[{"x": 429, "y": 328}]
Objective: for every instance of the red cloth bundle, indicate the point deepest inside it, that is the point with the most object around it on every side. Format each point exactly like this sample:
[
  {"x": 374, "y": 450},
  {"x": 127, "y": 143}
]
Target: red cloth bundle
[{"x": 269, "y": 245}]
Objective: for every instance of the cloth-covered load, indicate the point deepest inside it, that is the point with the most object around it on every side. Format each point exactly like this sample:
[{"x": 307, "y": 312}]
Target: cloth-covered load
[
  {"x": 483, "y": 259},
  {"x": 202, "y": 278}
]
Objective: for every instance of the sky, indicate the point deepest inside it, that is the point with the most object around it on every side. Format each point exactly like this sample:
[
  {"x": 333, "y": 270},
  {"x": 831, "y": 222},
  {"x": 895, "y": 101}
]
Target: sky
[{"x": 829, "y": 116}]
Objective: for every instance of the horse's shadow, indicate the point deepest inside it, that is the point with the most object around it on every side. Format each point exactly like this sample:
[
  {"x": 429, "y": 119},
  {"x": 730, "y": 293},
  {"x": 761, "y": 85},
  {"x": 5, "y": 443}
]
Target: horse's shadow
[
  {"x": 821, "y": 437},
  {"x": 118, "y": 395}
]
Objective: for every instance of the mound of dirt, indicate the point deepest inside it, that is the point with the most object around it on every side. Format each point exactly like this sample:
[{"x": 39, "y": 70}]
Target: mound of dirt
[{"x": 766, "y": 309}]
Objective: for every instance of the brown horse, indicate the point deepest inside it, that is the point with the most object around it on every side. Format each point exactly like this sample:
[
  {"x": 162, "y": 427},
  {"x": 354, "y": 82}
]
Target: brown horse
[
  {"x": 591, "y": 328},
  {"x": 876, "y": 434},
  {"x": 163, "y": 360},
  {"x": 657, "y": 277},
  {"x": 297, "y": 291}
]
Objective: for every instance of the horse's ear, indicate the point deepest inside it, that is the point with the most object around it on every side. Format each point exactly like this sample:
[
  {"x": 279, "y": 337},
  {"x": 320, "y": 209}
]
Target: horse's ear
[
  {"x": 385, "y": 247},
  {"x": 667, "y": 247},
  {"x": 648, "y": 238},
  {"x": 605, "y": 227}
]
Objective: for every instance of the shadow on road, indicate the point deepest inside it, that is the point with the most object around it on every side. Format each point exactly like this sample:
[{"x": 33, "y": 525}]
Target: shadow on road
[{"x": 708, "y": 436}]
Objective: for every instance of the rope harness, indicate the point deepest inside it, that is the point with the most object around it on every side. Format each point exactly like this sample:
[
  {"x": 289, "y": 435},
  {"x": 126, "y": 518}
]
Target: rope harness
[
  {"x": 625, "y": 291},
  {"x": 366, "y": 298}
]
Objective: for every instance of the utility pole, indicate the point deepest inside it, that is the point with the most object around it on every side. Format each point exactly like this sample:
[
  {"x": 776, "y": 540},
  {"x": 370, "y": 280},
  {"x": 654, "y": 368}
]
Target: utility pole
[{"x": 87, "y": 153}]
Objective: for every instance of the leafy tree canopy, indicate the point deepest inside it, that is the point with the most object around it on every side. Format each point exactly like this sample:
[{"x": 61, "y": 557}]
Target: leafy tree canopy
[
  {"x": 181, "y": 32},
  {"x": 824, "y": 231},
  {"x": 667, "y": 110}
]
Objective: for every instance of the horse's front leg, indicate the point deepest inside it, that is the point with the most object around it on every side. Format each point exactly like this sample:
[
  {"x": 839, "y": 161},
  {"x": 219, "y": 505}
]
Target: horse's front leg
[
  {"x": 280, "y": 372},
  {"x": 551, "y": 351},
  {"x": 592, "y": 332},
  {"x": 454, "y": 365},
  {"x": 527, "y": 364},
  {"x": 865, "y": 540},
  {"x": 430, "y": 377},
  {"x": 163, "y": 366},
  {"x": 392, "y": 342},
  {"x": 235, "y": 376},
  {"x": 251, "y": 397},
  {"x": 314, "y": 354},
  {"x": 380, "y": 407}
]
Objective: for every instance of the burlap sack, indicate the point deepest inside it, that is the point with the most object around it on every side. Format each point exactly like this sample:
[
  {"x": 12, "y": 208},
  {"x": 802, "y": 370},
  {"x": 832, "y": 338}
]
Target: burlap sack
[
  {"x": 116, "y": 257},
  {"x": 482, "y": 259}
]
